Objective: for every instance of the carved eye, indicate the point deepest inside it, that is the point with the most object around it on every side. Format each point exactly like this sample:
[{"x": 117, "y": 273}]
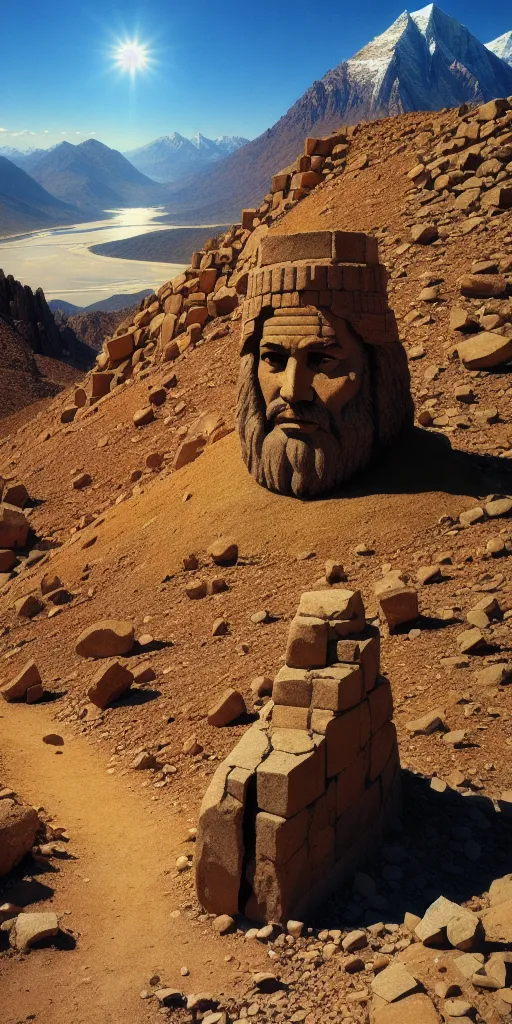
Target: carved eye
[
  {"x": 274, "y": 360},
  {"x": 320, "y": 360}
]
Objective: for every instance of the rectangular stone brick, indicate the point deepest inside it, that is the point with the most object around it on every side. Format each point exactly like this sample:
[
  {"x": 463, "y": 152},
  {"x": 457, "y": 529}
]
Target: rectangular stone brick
[
  {"x": 292, "y": 686},
  {"x": 364, "y": 650},
  {"x": 335, "y": 278},
  {"x": 382, "y": 745},
  {"x": 337, "y": 688},
  {"x": 325, "y": 298},
  {"x": 220, "y": 848},
  {"x": 358, "y": 819},
  {"x": 277, "y": 199},
  {"x": 276, "y": 279},
  {"x": 342, "y": 741},
  {"x": 286, "y": 717},
  {"x": 350, "y": 784},
  {"x": 349, "y": 247},
  {"x": 353, "y": 279},
  {"x": 279, "y": 838},
  {"x": 288, "y": 782},
  {"x": 276, "y": 300},
  {"x": 250, "y": 750},
  {"x": 381, "y": 705},
  {"x": 331, "y": 604},
  {"x": 322, "y": 849},
  {"x": 308, "y": 245},
  {"x": 238, "y": 781},
  {"x": 364, "y": 723},
  {"x": 389, "y": 773},
  {"x": 277, "y": 889},
  {"x": 320, "y": 720},
  {"x": 280, "y": 182},
  {"x": 307, "y": 642},
  {"x": 318, "y": 278},
  {"x": 310, "y": 298},
  {"x": 324, "y": 811},
  {"x": 289, "y": 279}
]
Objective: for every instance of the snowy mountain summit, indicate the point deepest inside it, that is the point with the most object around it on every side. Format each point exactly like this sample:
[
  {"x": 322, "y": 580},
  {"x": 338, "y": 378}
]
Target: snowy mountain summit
[
  {"x": 172, "y": 157},
  {"x": 502, "y": 47},
  {"x": 424, "y": 61}
]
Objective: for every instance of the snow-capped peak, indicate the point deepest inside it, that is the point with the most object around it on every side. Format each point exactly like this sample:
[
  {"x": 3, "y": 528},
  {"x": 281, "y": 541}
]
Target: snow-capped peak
[
  {"x": 502, "y": 47},
  {"x": 422, "y": 18}
]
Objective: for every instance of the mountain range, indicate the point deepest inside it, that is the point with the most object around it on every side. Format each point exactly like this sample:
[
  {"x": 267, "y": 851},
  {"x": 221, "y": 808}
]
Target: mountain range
[
  {"x": 173, "y": 157},
  {"x": 424, "y": 61}
]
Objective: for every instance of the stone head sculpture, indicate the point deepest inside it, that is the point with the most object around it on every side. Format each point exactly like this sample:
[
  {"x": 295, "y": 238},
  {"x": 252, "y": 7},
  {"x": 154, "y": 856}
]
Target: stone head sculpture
[{"x": 324, "y": 382}]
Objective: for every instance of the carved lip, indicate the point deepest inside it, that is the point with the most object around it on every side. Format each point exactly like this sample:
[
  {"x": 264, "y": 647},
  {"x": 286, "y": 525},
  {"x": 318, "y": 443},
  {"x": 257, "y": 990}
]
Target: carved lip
[{"x": 288, "y": 422}]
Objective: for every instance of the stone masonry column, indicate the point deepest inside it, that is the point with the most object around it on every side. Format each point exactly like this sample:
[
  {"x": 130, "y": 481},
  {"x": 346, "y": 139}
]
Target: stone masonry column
[{"x": 305, "y": 796}]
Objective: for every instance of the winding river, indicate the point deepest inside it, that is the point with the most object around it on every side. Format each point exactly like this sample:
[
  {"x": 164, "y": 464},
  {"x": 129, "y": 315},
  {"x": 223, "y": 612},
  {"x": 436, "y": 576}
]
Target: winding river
[{"x": 59, "y": 260}]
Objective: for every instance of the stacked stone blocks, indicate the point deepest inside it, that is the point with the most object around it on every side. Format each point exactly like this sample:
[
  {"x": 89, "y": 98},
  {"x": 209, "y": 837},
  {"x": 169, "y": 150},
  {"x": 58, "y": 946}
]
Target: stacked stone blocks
[
  {"x": 333, "y": 270},
  {"x": 305, "y": 796}
]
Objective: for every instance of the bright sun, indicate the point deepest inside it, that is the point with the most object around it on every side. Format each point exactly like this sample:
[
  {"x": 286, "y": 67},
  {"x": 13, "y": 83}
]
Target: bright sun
[{"x": 131, "y": 57}]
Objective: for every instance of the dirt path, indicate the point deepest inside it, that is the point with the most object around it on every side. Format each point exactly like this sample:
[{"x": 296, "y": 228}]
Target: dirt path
[{"x": 117, "y": 896}]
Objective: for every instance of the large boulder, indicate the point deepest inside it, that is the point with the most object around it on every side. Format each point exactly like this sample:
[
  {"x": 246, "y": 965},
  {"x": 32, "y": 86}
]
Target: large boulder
[
  {"x": 110, "y": 682},
  {"x": 14, "y": 527},
  {"x": 18, "y": 827},
  {"x": 25, "y": 680},
  {"x": 110, "y": 638}
]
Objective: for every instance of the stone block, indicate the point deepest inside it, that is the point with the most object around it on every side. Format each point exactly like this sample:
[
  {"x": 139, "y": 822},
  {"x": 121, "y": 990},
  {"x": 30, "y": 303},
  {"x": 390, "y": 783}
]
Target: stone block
[
  {"x": 307, "y": 642},
  {"x": 286, "y": 717},
  {"x": 238, "y": 782},
  {"x": 349, "y": 246},
  {"x": 109, "y": 683},
  {"x": 333, "y": 605},
  {"x": 18, "y": 827},
  {"x": 355, "y": 822},
  {"x": 381, "y": 705},
  {"x": 287, "y": 782},
  {"x": 310, "y": 245},
  {"x": 322, "y": 849},
  {"x": 219, "y": 847},
  {"x": 342, "y": 738},
  {"x": 382, "y": 745},
  {"x": 350, "y": 784},
  {"x": 323, "y": 811},
  {"x": 278, "y": 838},
  {"x": 364, "y": 651},
  {"x": 292, "y": 686},
  {"x": 14, "y": 528},
  {"x": 485, "y": 350},
  {"x": 337, "y": 688},
  {"x": 250, "y": 750},
  {"x": 277, "y": 889},
  {"x": 399, "y": 605},
  {"x": 26, "y": 678},
  {"x": 119, "y": 348}
]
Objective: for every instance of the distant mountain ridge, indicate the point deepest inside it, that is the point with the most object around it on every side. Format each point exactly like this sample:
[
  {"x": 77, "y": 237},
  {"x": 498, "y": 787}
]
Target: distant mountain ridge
[
  {"x": 25, "y": 205},
  {"x": 424, "y": 61},
  {"x": 172, "y": 157},
  {"x": 111, "y": 305},
  {"x": 91, "y": 176}
]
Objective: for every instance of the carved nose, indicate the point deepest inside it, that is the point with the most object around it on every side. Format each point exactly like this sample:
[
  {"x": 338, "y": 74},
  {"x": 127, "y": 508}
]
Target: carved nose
[{"x": 296, "y": 386}]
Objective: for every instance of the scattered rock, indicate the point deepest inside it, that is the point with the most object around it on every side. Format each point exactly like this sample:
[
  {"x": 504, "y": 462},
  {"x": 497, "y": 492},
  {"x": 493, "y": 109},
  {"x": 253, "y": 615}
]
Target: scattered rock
[
  {"x": 33, "y": 927},
  {"x": 224, "y": 551},
  {"x": 18, "y": 827},
  {"x": 110, "y": 681},
  {"x": 228, "y": 708},
  {"x": 109, "y": 638}
]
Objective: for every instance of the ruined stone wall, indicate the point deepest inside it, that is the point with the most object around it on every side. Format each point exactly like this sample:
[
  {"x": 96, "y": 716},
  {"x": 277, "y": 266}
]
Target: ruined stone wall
[{"x": 305, "y": 796}]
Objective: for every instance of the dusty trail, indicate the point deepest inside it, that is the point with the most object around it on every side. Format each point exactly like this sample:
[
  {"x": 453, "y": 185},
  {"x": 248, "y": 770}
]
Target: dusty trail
[{"x": 113, "y": 894}]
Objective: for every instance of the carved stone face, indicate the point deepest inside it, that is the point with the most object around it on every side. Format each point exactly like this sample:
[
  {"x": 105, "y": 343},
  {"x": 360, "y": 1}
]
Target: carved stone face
[
  {"x": 308, "y": 367},
  {"x": 305, "y": 408}
]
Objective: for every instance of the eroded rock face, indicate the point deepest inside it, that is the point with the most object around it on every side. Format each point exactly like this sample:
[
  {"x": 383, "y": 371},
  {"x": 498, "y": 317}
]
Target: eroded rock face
[
  {"x": 18, "y": 827},
  {"x": 307, "y": 791},
  {"x": 324, "y": 381}
]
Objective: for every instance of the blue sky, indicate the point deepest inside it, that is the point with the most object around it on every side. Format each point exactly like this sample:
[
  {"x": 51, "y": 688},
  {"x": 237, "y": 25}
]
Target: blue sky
[{"x": 227, "y": 68}]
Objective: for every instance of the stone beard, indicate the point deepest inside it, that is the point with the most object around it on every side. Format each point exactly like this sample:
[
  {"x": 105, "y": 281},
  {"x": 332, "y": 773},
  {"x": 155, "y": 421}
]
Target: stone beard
[{"x": 315, "y": 402}]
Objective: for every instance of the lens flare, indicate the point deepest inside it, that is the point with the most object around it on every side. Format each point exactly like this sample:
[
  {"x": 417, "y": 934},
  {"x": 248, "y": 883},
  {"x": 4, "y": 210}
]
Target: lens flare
[{"x": 131, "y": 56}]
